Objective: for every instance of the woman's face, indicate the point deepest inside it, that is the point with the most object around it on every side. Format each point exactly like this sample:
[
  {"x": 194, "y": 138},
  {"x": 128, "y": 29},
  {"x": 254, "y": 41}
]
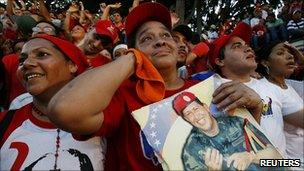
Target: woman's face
[
  {"x": 155, "y": 40},
  {"x": 43, "y": 70},
  {"x": 281, "y": 62},
  {"x": 78, "y": 32}
]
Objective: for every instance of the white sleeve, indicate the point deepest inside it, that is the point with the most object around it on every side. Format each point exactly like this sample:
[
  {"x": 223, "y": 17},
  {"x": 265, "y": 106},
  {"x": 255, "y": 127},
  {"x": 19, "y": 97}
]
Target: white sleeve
[
  {"x": 291, "y": 101},
  {"x": 298, "y": 86}
]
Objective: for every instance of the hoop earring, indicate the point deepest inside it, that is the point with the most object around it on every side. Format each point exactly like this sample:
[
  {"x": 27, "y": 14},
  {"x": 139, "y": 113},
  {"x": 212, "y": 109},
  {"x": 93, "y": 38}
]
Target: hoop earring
[{"x": 267, "y": 69}]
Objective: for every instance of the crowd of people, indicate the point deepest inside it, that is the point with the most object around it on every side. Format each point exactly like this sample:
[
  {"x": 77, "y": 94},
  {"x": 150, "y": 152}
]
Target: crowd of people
[
  {"x": 268, "y": 24},
  {"x": 69, "y": 82}
]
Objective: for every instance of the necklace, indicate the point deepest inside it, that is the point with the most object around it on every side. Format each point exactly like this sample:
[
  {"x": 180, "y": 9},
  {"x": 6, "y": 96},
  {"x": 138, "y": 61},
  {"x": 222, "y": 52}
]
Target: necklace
[
  {"x": 38, "y": 111},
  {"x": 282, "y": 85},
  {"x": 57, "y": 139},
  {"x": 57, "y": 149}
]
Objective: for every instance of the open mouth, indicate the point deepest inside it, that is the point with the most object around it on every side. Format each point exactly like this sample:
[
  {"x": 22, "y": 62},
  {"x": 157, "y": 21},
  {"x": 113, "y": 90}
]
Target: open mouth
[
  {"x": 182, "y": 52},
  {"x": 250, "y": 56},
  {"x": 201, "y": 121},
  {"x": 291, "y": 65},
  {"x": 31, "y": 76}
]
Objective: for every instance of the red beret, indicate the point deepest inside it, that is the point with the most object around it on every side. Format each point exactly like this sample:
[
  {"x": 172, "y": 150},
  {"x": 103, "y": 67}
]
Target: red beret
[
  {"x": 106, "y": 28},
  {"x": 182, "y": 100},
  {"x": 69, "y": 49},
  {"x": 242, "y": 30},
  {"x": 150, "y": 11}
]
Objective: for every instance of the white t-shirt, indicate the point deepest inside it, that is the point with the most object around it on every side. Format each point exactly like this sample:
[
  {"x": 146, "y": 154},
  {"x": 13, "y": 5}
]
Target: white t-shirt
[
  {"x": 33, "y": 146},
  {"x": 294, "y": 135}
]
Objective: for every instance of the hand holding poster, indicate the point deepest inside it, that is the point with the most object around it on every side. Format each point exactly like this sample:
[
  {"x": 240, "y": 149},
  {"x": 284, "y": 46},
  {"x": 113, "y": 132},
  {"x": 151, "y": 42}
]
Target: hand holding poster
[{"x": 186, "y": 132}]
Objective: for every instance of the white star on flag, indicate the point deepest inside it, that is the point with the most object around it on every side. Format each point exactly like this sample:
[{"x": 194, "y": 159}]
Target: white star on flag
[
  {"x": 157, "y": 143},
  {"x": 153, "y": 134},
  {"x": 153, "y": 116},
  {"x": 155, "y": 110},
  {"x": 152, "y": 125}
]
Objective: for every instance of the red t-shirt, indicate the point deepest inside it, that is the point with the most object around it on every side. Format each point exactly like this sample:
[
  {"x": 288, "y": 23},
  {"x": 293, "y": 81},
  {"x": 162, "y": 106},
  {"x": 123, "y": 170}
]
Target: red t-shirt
[
  {"x": 121, "y": 27},
  {"x": 15, "y": 88},
  {"x": 97, "y": 61},
  {"x": 19, "y": 117},
  {"x": 198, "y": 65},
  {"x": 124, "y": 151}
]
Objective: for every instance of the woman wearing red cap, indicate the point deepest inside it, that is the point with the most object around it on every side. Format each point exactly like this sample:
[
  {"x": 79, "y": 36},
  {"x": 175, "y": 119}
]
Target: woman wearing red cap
[
  {"x": 106, "y": 108},
  {"x": 29, "y": 140}
]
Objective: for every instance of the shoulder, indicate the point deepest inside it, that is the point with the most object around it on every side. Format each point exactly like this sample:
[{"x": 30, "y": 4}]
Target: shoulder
[
  {"x": 189, "y": 83},
  {"x": 12, "y": 119},
  {"x": 10, "y": 61}
]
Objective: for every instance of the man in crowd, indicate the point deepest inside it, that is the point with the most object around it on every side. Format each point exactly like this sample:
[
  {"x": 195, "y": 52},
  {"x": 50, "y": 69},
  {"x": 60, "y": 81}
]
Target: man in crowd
[
  {"x": 234, "y": 62},
  {"x": 190, "y": 60},
  {"x": 101, "y": 37}
]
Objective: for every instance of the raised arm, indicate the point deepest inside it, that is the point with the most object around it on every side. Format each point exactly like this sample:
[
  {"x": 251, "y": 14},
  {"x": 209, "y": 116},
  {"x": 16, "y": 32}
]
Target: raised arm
[
  {"x": 67, "y": 21},
  {"x": 82, "y": 13},
  {"x": 23, "y": 6},
  {"x": 77, "y": 106},
  {"x": 44, "y": 11},
  {"x": 10, "y": 7},
  {"x": 106, "y": 12},
  {"x": 135, "y": 4}
]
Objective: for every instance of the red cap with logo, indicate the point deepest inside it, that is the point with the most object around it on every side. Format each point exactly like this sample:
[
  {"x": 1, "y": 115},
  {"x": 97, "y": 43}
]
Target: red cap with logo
[
  {"x": 182, "y": 100},
  {"x": 106, "y": 28},
  {"x": 150, "y": 11},
  {"x": 69, "y": 49},
  {"x": 241, "y": 30}
]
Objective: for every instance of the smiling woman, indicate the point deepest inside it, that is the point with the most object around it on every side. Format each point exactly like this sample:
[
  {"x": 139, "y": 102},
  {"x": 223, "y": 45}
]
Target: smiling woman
[{"x": 46, "y": 64}]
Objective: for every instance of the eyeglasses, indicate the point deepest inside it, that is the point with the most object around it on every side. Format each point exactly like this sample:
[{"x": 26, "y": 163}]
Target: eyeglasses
[
  {"x": 44, "y": 29},
  {"x": 116, "y": 15}
]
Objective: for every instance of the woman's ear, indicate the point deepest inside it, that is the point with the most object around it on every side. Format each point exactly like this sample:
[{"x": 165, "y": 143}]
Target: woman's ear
[
  {"x": 219, "y": 62},
  {"x": 73, "y": 67}
]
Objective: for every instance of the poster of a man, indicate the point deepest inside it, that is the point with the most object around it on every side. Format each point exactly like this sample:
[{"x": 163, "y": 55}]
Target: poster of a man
[
  {"x": 223, "y": 143},
  {"x": 187, "y": 132}
]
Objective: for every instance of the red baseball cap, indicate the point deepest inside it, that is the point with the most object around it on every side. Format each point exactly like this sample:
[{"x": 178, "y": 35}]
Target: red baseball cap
[
  {"x": 241, "y": 30},
  {"x": 150, "y": 11},
  {"x": 106, "y": 28},
  {"x": 69, "y": 49},
  {"x": 182, "y": 100}
]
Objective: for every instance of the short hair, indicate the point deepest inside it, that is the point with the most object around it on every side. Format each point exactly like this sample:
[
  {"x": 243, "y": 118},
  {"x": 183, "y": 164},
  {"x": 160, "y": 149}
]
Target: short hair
[
  {"x": 263, "y": 54},
  {"x": 221, "y": 56}
]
